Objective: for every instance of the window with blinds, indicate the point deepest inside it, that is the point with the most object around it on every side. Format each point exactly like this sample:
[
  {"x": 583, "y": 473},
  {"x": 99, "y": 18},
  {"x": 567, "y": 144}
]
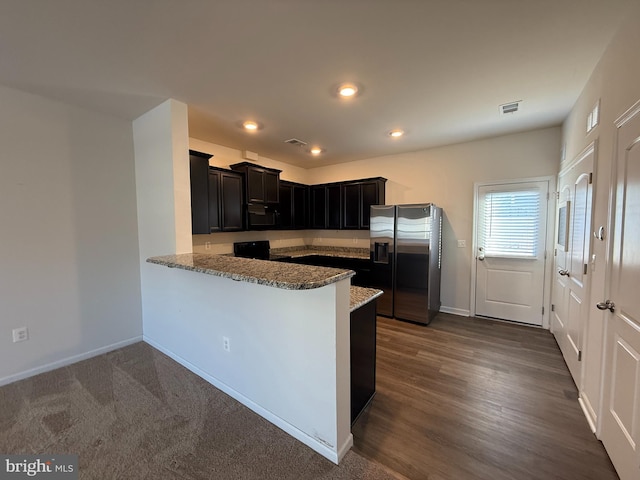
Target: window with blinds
[{"x": 510, "y": 224}]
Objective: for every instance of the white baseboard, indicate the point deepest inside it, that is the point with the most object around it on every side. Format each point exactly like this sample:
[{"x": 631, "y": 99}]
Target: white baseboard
[
  {"x": 455, "y": 311},
  {"x": 334, "y": 456},
  {"x": 67, "y": 361},
  {"x": 588, "y": 412}
]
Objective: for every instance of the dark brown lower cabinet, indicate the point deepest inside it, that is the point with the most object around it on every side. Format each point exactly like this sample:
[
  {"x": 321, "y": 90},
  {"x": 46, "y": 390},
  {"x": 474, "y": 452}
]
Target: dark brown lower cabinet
[{"x": 363, "y": 358}]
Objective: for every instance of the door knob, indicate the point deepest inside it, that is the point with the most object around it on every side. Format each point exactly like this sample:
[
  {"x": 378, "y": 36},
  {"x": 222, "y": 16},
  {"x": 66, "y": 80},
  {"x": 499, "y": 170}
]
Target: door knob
[
  {"x": 564, "y": 273},
  {"x": 481, "y": 254},
  {"x": 606, "y": 305}
]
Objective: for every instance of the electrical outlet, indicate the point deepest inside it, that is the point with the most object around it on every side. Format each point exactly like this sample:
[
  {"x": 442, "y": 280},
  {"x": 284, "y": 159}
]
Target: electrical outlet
[
  {"x": 226, "y": 344},
  {"x": 20, "y": 334},
  {"x": 462, "y": 243},
  {"x": 207, "y": 245}
]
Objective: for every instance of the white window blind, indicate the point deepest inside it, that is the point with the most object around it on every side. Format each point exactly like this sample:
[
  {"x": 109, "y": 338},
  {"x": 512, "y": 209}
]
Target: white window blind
[{"x": 510, "y": 224}]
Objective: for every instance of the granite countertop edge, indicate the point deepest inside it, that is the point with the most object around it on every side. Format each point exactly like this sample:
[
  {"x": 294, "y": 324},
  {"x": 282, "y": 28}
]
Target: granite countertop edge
[
  {"x": 360, "y": 296},
  {"x": 261, "y": 272}
]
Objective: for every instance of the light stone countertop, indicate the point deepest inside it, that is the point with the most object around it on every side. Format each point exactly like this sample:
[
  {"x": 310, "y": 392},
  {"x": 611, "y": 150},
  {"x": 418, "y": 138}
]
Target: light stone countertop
[
  {"x": 287, "y": 276},
  {"x": 361, "y": 296}
]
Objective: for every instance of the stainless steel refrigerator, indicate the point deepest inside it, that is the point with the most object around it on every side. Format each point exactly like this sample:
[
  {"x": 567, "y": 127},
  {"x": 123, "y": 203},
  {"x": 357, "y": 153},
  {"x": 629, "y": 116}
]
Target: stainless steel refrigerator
[{"x": 406, "y": 254}]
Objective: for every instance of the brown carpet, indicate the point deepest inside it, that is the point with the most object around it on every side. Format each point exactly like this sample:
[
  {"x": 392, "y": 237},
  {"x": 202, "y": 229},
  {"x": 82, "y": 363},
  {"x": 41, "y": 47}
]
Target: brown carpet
[{"x": 136, "y": 414}]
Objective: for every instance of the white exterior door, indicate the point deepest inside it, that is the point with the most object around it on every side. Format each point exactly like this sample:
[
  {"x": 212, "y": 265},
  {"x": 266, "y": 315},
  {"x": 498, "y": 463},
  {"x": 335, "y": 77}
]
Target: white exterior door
[
  {"x": 511, "y": 226},
  {"x": 571, "y": 277},
  {"x": 621, "y": 407}
]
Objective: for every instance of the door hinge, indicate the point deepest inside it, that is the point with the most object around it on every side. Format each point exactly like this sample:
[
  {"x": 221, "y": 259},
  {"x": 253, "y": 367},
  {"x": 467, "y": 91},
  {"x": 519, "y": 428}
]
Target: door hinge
[
  {"x": 542, "y": 310},
  {"x": 553, "y": 307},
  {"x": 590, "y": 178},
  {"x": 585, "y": 269},
  {"x": 579, "y": 355},
  {"x": 555, "y": 252}
]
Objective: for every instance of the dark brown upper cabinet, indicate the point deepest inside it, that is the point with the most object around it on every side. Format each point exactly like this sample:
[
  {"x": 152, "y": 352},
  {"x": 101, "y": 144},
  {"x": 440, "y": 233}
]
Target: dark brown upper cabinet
[
  {"x": 262, "y": 184},
  {"x": 358, "y": 196},
  {"x": 294, "y": 205},
  {"x": 345, "y": 205},
  {"x": 318, "y": 207},
  {"x": 226, "y": 201},
  {"x": 199, "y": 168},
  {"x": 326, "y": 206}
]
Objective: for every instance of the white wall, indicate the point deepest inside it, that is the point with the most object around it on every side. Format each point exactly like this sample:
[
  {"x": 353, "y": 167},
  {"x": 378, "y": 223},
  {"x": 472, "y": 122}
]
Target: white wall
[
  {"x": 616, "y": 83},
  {"x": 69, "y": 266}
]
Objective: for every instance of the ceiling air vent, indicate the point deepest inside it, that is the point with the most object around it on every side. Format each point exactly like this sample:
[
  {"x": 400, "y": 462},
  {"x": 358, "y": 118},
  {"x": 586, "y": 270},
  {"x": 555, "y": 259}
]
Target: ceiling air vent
[
  {"x": 295, "y": 142},
  {"x": 510, "y": 107}
]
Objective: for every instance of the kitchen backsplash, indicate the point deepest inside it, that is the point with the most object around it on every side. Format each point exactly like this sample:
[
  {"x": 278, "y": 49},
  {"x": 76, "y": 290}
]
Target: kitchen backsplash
[{"x": 222, "y": 242}]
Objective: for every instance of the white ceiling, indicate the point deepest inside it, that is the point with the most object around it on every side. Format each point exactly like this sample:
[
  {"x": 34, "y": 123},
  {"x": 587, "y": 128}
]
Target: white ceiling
[{"x": 435, "y": 68}]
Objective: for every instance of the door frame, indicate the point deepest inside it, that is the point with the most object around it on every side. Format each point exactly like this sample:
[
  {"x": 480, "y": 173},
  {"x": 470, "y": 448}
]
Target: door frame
[{"x": 548, "y": 249}]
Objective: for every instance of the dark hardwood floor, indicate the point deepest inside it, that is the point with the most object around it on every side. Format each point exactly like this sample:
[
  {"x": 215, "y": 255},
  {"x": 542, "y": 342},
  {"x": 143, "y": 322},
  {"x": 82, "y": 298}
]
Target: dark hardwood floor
[{"x": 467, "y": 398}]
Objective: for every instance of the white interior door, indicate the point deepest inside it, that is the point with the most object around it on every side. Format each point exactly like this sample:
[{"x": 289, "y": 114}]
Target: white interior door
[
  {"x": 571, "y": 277},
  {"x": 621, "y": 407},
  {"x": 511, "y": 226}
]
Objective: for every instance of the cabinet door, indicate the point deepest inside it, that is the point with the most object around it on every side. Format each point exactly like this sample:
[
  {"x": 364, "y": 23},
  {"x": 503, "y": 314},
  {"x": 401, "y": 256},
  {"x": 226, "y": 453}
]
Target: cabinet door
[
  {"x": 271, "y": 191},
  {"x": 318, "y": 206},
  {"x": 232, "y": 204},
  {"x": 286, "y": 205},
  {"x": 300, "y": 206},
  {"x": 334, "y": 207},
  {"x": 370, "y": 195},
  {"x": 199, "y": 169},
  {"x": 352, "y": 206},
  {"x": 255, "y": 185},
  {"x": 213, "y": 219}
]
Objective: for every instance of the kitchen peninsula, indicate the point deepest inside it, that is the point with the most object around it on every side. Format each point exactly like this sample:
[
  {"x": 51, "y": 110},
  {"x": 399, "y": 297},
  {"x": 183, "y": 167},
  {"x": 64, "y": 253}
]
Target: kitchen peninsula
[{"x": 275, "y": 336}]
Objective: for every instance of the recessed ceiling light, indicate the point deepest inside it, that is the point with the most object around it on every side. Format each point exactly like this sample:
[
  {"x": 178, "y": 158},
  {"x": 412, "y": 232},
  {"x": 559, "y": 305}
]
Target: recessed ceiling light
[
  {"x": 316, "y": 150},
  {"x": 250, "y": 126},
  {"x": 396, "y": 133},
  {"x": 347, "y": 90}
]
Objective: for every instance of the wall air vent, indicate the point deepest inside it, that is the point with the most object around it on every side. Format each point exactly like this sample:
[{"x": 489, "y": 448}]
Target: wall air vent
[
  {"x": 511, "y": 107},
  {"x": 296, "y": 142}
]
